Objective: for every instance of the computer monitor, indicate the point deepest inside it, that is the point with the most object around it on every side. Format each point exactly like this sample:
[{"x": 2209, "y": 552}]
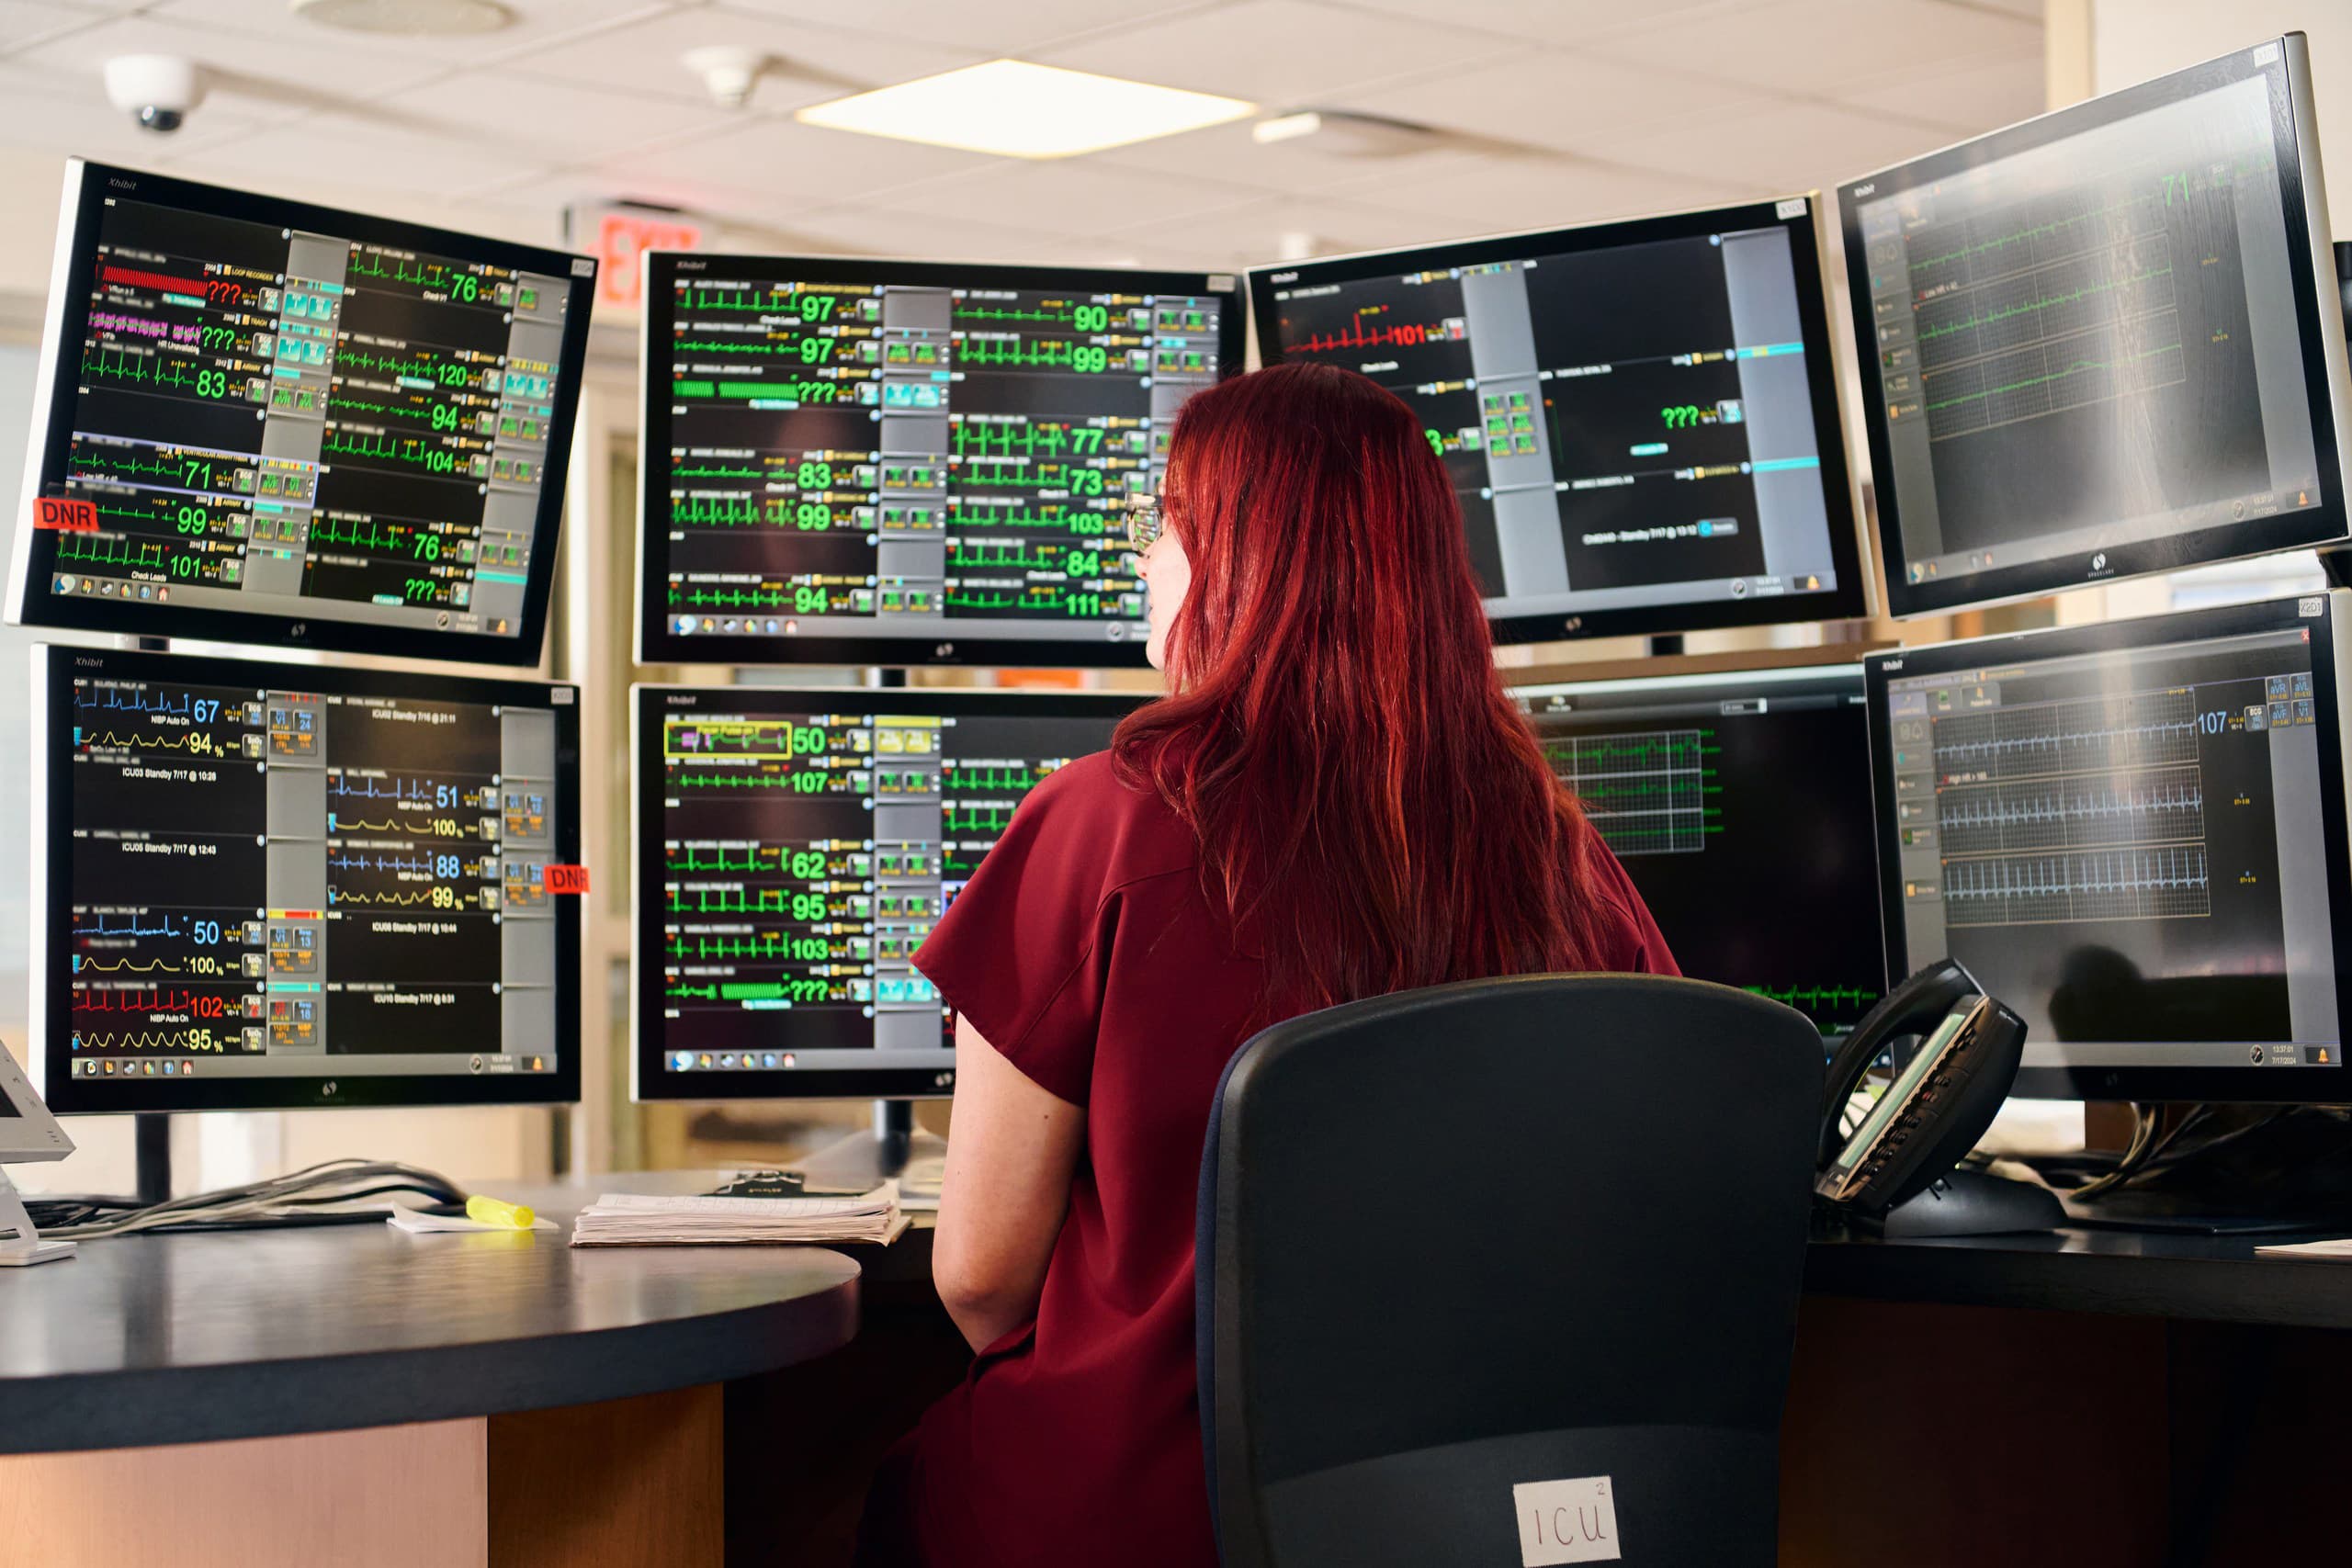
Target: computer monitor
[
  {"x": 1740, "y": 805},
  {"x": 1640, "y": 418},
  {"x": 2133, "y": 834},
  {"x": 270, "y": 885},
  {"x": 794, "y": 848},
  {"x": 2104, "y": 342},
  {"x": 299, "y": 426},
  {"x": 28, "y": 1131},
  {"x": 884, "y": 462}
]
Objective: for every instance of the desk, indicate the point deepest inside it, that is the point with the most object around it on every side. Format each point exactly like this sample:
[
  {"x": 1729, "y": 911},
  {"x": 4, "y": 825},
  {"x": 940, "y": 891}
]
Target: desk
[
  {"x": 2085, "y": 1398},
  {"x": 469, "y": 1398}
]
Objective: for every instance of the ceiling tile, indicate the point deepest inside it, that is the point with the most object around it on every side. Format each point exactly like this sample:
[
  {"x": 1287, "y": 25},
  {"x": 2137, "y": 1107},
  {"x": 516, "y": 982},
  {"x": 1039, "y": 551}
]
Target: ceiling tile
[
  {"x": 1972, "y": 100},
  {"x": 251, "y": 72},
  {"x": 1491, "y": 195},
  {"x": 1277, "y": 53},
  {"x": 361, "y": 154},
  {"x": 1227, "y": 154},
  {"x": 1817, "y": 46},
  {"x": 41, "y": 108},
  {"x": 536, "y": 22},
  {"x": 1566, "y": 22},
  {"x": 549, "y": 122},
  {"x": 1772, "y": 150},
  {"x": 23, "y": 25},
  {"x": 783, "y": 158},
  {"x": 1278, "y": 229},
  {"x": 809, "y": 64},
  {"x": 1064, "y": 195},
  {"x": 873, "y": 231},
  {"x": 1549, "y": 99},
  {"x": 991, "y": 29}
]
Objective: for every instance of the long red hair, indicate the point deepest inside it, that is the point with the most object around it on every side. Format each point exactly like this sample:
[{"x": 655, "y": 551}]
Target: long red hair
[{"x": 1373, "y": 812}]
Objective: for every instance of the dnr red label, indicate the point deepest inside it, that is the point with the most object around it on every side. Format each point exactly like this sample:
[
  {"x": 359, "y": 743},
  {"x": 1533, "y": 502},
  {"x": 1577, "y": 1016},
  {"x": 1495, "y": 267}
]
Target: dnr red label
[
  {"x": 562, "y": 879},
  {"x": 65, "y": 514}
]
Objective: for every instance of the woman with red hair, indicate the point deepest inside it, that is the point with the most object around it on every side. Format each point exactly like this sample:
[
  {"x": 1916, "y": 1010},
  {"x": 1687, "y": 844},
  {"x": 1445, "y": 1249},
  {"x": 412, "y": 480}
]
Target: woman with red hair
[{"x": 1335, "y": 800}]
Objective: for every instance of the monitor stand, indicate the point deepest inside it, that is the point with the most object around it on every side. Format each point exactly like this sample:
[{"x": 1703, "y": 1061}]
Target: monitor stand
[
  {"x": 1972, "y": 1203},
  {"x": 20, "y": 1245},
  {"x": 152, "y": 1149},
  {"x": 863, "y": 1161}
]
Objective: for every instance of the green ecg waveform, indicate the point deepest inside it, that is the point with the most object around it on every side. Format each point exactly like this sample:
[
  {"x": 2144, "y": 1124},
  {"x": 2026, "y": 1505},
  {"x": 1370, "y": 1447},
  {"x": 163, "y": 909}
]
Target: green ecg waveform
[
  {"x": 2047, "y": 300},
  {"x": 2076, "y": 368}
]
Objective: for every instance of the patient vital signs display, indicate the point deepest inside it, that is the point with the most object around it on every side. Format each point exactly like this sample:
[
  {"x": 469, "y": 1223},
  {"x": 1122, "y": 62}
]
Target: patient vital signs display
[
  {"x": 273, "y": 874},
  {"x": 343, "y": 432},
  {"x": 909, "y": 463},
  {"x": 1640, "y": 419},
  {"x": 2104, "y": 342},
  {"x": 794, "y": 851}
]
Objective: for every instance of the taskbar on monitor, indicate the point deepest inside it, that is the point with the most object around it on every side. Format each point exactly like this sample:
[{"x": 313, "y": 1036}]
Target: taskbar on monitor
[
  {"x": 829, "y": 1060},
  {"x": 2085, "y": 546},
  {"x": 934, "y": 627},
  {"x": 2091, "y": 1057},
  {"x": 194, "y": 596},
  {"x": 1649, "y": 595},
  {"x": 445, "y": 1064}
]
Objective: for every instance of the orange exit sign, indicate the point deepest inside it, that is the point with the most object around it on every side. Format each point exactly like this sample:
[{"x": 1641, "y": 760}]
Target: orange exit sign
[{"x": 622, "y": 240}]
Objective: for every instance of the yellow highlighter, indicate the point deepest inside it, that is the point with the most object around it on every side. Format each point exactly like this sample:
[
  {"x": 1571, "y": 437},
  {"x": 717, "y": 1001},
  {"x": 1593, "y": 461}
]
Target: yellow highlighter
[{"x": 491, "y": 1212}]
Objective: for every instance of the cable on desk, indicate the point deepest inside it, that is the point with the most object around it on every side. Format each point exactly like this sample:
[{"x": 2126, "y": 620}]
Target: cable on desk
[{"x": 298, "y": 1198}]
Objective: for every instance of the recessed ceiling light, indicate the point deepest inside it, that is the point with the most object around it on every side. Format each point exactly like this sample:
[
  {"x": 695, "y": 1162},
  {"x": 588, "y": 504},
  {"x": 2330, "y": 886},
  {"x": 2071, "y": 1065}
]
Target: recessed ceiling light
[
  {"x": 1015, "y": 109},
  {"x": 406, "y": 16}
]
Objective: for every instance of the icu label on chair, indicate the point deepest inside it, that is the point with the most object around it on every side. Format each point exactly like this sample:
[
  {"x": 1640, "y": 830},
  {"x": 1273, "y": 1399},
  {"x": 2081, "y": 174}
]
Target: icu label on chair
[{"x": 1566, "y": 1521}]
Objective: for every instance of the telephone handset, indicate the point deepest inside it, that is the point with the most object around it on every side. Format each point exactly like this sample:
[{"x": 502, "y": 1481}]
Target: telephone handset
[{"x": 1943, "y": 1098}]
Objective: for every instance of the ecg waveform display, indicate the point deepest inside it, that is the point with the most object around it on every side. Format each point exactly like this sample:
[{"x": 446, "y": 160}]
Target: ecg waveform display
[
  {"x": 279, "y": 421},
  {"x": 1648, "y": 794},
  {"x": 877, "y": 458},
  {"x": 2088, "y": 342},
  {"x": 2133, "y": 845},
  {"x": 321, "y": 875},
  {"x": 804, "y": 858},
  {"x": 1723, "y": 795}
]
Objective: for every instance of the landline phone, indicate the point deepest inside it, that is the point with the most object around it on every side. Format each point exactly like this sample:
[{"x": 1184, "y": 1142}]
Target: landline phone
[{"x": 1894, "y": 1172}]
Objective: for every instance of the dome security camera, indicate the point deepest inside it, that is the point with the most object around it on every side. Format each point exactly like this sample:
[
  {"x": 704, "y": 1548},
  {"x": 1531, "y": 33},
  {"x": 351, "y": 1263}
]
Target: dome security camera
[
  {"x": 729, "y": 74},
  {"x": 158, "y": 91}
]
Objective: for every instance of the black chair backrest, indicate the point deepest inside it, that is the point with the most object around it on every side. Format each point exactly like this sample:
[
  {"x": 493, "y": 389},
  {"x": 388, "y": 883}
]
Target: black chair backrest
[{"x": 1459, "y": 1240}]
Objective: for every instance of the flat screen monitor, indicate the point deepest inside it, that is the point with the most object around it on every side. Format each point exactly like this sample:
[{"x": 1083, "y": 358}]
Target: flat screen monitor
[
  {"x": 868, "y": 462},
  {"x": 1640, "y": 418},
  {"x": 28, "y": 1131},
  {"x": 272, "y": 885},
  {"x": 1739, "y": 804},
  {"x": 794, "y": 848},
  {"x": 297, "y": 426},
  {"x": 2133, "y": 834},
  {"x": 2102, "y": 342}
]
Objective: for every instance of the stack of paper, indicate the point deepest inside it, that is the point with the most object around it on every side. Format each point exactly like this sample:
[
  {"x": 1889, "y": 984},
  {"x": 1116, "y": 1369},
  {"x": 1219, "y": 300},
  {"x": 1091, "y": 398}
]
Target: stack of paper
[{"x": 627, "y": 1219}]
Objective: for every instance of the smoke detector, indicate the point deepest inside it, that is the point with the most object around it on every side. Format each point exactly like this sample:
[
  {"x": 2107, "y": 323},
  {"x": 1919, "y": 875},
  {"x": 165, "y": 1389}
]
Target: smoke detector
[
  {"x": 729, "y": 71},
  {"x": 413, "y": 17}
]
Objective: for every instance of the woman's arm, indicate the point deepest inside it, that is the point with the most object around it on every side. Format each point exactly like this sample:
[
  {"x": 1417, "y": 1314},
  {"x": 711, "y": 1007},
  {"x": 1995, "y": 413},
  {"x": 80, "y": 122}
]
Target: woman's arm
[{"x": 1013, "y": 1151}]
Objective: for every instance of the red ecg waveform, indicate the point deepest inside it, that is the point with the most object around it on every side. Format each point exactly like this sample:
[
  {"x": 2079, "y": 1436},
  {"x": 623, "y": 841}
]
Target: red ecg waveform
[
  {"x": 151, "y": 1001},
  {"x": 137, "y": 279},
  {"x": 1404, "y": 334}
]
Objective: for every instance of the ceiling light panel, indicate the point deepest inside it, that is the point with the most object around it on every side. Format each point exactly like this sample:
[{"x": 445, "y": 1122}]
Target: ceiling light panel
[{"x": 1015, "y": 109}]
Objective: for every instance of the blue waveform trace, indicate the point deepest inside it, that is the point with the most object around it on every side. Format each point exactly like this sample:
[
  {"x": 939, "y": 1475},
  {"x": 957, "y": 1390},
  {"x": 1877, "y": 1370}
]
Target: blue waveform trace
[
  {"x": 134, "y": 928},
  {"x": 399, "y": 791},
  {"x": 185, "y": 705}
]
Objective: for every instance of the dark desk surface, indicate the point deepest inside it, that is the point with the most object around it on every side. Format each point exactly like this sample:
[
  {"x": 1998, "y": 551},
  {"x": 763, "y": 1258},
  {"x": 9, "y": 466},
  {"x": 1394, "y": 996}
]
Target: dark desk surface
[
  {"x": 142, "y": 1340},
  {"x": 2212, "y": 1278}
]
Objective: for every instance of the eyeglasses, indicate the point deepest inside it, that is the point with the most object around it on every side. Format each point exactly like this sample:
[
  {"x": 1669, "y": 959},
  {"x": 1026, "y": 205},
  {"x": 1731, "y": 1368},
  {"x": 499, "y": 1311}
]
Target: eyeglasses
[{"x": 1146, "y": 520}]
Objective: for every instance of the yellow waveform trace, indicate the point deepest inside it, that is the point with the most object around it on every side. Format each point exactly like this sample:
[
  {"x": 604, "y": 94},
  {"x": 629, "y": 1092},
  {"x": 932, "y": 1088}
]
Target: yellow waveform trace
[
  {"x": 449, "y": 899},
  {"x": 137, "y": 968},
  {"x": 195, "y": 743}
]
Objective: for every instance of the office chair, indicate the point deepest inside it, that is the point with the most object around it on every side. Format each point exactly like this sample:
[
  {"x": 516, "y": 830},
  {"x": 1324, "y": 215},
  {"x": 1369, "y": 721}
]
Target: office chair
[{"x": 1459, "y": 1240}]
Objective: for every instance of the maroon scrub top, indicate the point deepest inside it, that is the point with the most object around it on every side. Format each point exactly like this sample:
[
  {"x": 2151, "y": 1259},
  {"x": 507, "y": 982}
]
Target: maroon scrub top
[{"x": 1084, "y": 950}]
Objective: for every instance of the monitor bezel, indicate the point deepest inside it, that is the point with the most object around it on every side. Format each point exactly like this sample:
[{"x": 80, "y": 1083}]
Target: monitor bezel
[
  {"x": 656, "y": 644},
  {"x": 88, "y": 186},
  {"x": 54, "y": 669},
  {"x": 2311, "y": 267},
  {"x": 649, "y": 1082},
  {"x": 1809, "y": 256},
  {"x": 2331, "y": 682}
]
